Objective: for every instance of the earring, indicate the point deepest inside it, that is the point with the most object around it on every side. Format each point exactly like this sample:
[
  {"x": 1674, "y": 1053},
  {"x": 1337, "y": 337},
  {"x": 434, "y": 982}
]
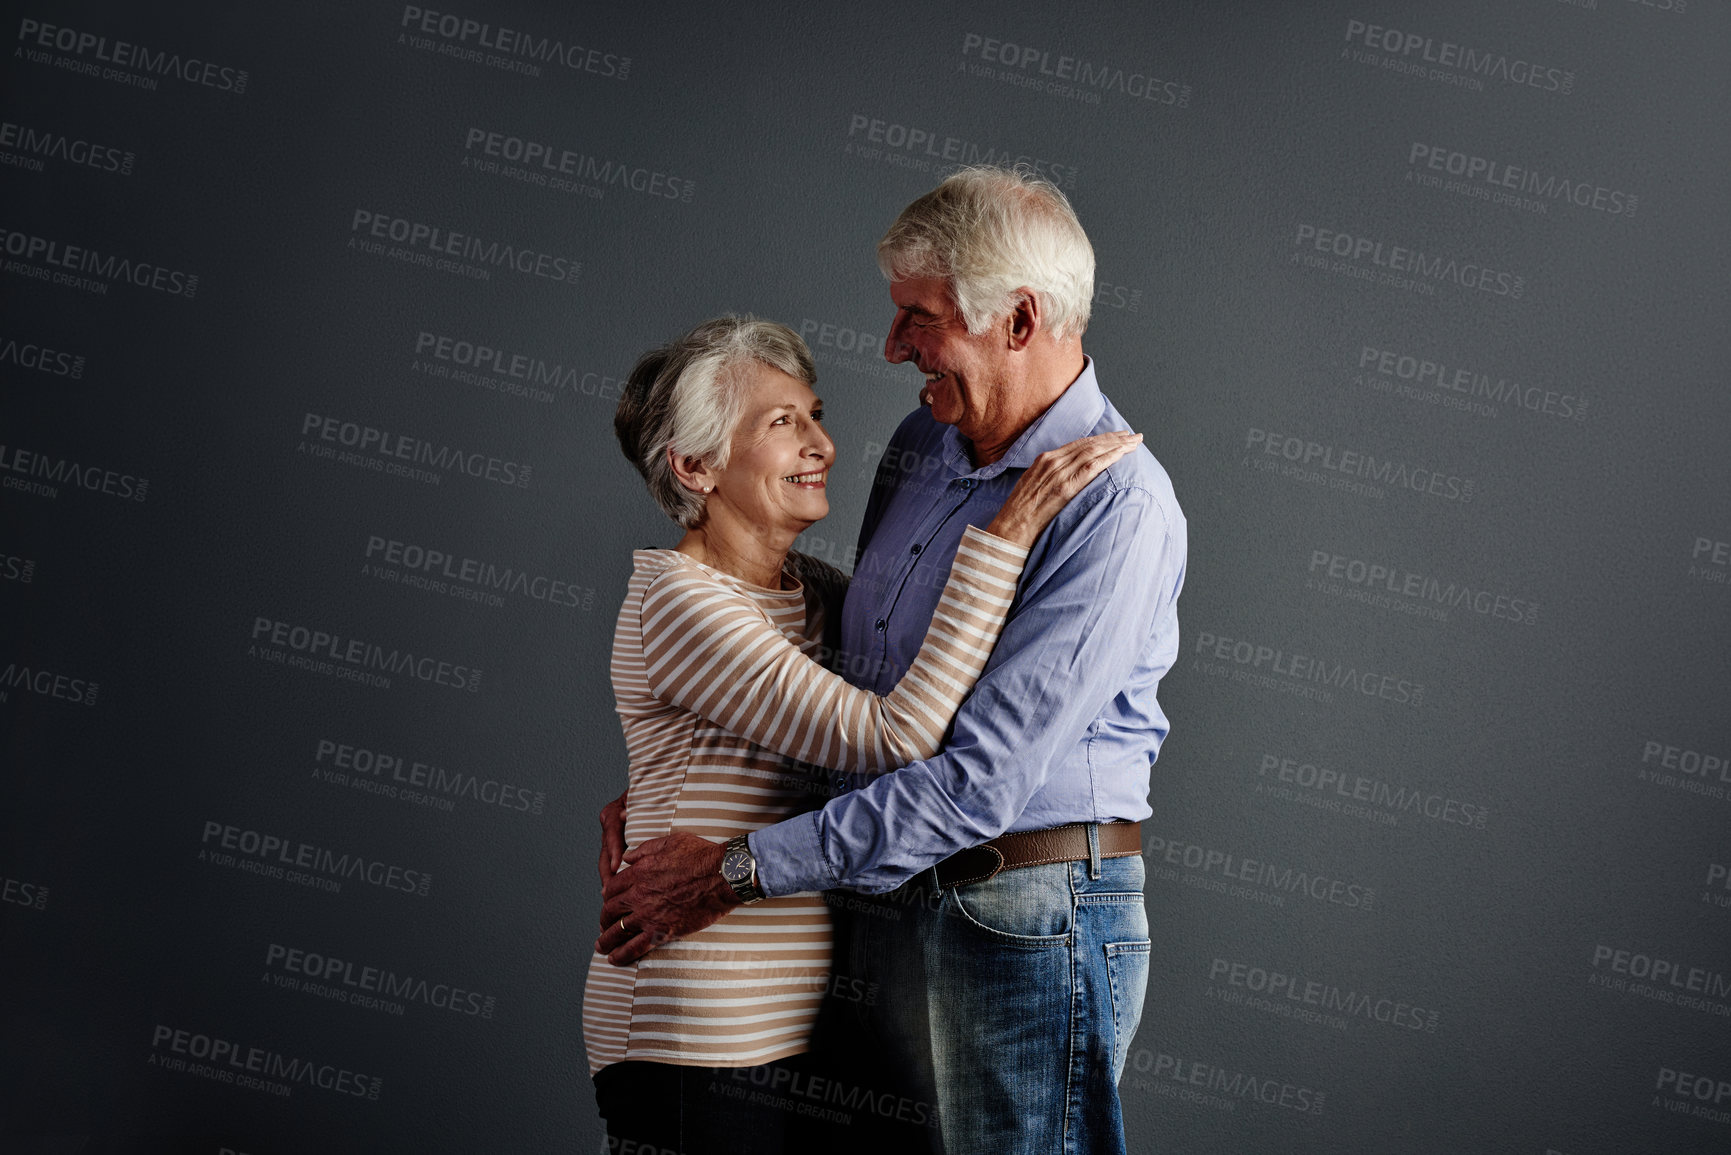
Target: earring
[{"x": 707, "y": 488}]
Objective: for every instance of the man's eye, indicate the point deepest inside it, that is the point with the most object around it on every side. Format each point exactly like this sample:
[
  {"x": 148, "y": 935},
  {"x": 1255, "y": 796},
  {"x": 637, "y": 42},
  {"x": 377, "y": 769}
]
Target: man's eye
[{"x": 817, "y": 415}]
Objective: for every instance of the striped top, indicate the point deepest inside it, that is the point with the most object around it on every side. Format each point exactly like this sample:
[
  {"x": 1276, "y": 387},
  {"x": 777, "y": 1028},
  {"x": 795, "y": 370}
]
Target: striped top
[{"x": 716, "y": 687}]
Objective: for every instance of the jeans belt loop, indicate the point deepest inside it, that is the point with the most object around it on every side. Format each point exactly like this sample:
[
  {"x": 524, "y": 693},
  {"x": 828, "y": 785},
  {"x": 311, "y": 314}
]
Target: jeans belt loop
[{"x": 1094, "y": 851}]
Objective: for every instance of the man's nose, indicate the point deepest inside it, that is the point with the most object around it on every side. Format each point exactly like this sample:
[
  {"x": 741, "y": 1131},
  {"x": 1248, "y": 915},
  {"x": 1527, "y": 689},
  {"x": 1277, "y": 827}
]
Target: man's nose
[{"x": 897, "y": 350}]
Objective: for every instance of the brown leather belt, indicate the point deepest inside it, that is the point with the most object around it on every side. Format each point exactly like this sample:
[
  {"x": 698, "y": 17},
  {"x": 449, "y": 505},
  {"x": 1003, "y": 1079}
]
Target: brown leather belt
[{"x": 1037, "y": 848}]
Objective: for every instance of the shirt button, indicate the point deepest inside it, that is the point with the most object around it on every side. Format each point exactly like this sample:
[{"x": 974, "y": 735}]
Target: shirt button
[
  {"x": 916, "y": 549},
  {"x": 880, "y": 625}
]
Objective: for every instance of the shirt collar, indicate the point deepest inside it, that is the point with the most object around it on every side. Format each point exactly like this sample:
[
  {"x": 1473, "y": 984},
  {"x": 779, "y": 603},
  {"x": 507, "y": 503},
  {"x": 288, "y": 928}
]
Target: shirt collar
[{"x": 1074, "y": 414}]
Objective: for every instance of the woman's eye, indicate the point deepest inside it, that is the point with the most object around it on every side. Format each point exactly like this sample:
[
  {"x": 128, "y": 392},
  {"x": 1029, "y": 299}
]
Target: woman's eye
[{"x": 817, "y": 415}]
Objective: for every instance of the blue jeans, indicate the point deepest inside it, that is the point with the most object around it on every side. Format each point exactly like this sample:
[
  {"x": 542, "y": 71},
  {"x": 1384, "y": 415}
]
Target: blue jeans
[{"x": 1007, "y": 1005}]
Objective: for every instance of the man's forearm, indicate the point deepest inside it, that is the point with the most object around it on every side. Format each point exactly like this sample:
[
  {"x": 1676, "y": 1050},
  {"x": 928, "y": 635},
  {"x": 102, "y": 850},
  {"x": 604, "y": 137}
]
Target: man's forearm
[{"x": 1061, "y": 660}]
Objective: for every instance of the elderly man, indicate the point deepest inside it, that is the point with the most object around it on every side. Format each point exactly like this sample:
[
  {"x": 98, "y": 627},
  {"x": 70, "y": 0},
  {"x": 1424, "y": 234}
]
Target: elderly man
[{"x": 1002, "y": 929}]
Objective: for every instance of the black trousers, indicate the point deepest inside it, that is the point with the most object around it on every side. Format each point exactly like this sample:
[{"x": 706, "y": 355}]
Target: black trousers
[{"x": 663, "y": 1109}]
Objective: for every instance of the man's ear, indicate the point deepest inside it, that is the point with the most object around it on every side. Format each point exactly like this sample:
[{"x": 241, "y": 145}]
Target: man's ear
[
  {"x": 691, "y": 472},
  {"x": 1025, "y": 321}
]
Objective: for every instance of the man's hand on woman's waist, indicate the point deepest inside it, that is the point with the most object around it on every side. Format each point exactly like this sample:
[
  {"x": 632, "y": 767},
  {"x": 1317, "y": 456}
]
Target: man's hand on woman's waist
[{"x": 670, "y": 887}]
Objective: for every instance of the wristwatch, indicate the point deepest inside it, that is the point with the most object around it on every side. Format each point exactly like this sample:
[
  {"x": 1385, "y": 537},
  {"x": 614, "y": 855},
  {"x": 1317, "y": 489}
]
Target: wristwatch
[{"x": 739, "y": 868}]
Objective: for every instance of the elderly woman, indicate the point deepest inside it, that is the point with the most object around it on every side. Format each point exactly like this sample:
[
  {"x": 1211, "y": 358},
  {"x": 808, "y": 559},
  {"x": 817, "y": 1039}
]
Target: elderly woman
[{"x": 717, "y": 690}]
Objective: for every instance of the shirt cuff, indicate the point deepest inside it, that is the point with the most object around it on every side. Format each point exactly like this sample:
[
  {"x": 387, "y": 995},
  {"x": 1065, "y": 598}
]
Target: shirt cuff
[
  {"x": 1005, "y": 549},
  {"x": 790, "y": 857}
]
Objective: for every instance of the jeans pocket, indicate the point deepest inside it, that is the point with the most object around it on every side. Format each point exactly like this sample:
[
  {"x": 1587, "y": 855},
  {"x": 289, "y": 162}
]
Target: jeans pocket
[
  {"x": 1027, "y": 907},
  {"x": 1127, "y": 971}
]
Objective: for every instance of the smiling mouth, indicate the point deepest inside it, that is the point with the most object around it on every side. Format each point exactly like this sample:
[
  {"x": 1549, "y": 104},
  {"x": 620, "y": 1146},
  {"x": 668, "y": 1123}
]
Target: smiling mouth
[
  {"x": 926, "y": 393},
  {"x": 808, "y": 478}
]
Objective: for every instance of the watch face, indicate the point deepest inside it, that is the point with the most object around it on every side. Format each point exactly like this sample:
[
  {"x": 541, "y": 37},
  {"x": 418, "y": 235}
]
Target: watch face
[{"x": 736, "y": 866}]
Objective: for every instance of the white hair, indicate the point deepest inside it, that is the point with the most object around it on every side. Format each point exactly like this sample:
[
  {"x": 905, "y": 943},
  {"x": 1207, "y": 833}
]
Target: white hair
[
  {"x": 989, "y": 232},
  {"x": 687, "y": 396}
]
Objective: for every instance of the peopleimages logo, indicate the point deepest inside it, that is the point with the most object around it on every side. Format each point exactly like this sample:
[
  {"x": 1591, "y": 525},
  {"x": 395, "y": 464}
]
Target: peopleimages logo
[
  {"x": 1681, "y": 768},
  {"x": 1369, "y": 259},
  {"x": 502, "y": 371},
  {"x": 855, "y": 350},
  {"x": 353, "y": 659},
  {"x": 1071, "y": 77},
  {"x": 1359, "y": 795},
  {"x": 442, "y": 249},
  {"x": 814, "y": 1096},
  {"x": 1425, "y": 57},
  {"x": 841, "y": 554},
  {"x": 1385, "y": 585},
  {"x": 23, "y": 678},
  {"x": 47, "y": 472},
  {"x": 919, "y": 148},
  {"x": 1701, "y": 1096},
  {"x": 1717, "y": 552},
  {"x": 1661, "y": 980},
  {"x": 41, "y": 358},
  {"x": 17, "y": 569},
  {"x": 1419, "y": 378},
  {"x": 80, "y": 267},
  {"x": 423, "y": 783},
  {"x": 25, "y": 894},
  {"x": 1262, "y": 988},
  {"x": 227, "y": 1061},
  {"x": 1211, "y": 1084},
  {"x": 1117, "y": 296},
  {"x": 1306, "y": 675},
  {"x": 443, "y": 572},
  {"x": 1514, "y": 185},
  {"x": 1216, "y": 869},
  {"x": 37, "y": 37},
  {"x": 400, "y": 453},
  {"x": 325, "y": 869},
  {"x": 1352, "y": 469},
  {"x": 509, "y": 49},
  {"x": 841, "y": 337},
  {"x": 28, "y": 147},
  {"x": 564, "y": 169},
  {"x": 1710, "y": 560},
  {"x": 368, "y": 986},
  {"x": 1718, "y": 880}
]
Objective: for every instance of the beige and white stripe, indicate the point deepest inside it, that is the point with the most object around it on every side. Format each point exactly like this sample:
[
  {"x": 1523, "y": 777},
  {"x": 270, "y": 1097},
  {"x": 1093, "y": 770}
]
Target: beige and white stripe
[{"x": 716, "y": 689}]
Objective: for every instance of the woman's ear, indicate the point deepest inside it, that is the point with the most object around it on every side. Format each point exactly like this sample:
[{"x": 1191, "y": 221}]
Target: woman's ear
[{"x": 691, "y": 472}]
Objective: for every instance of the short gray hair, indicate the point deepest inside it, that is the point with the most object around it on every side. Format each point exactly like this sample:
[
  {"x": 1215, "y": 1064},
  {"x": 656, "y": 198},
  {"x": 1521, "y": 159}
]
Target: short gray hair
[
  {"x": 688, "y": 394},
  {"x": 988, "y": 232}
]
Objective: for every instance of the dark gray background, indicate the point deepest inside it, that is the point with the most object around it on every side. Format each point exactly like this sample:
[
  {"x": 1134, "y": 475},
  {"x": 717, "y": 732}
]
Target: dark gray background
[{"x": 1206, "y": 330}]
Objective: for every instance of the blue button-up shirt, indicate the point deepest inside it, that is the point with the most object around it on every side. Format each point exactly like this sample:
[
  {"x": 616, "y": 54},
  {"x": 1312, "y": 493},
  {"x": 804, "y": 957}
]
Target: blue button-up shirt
[{"x": 1064, "y": 723}]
